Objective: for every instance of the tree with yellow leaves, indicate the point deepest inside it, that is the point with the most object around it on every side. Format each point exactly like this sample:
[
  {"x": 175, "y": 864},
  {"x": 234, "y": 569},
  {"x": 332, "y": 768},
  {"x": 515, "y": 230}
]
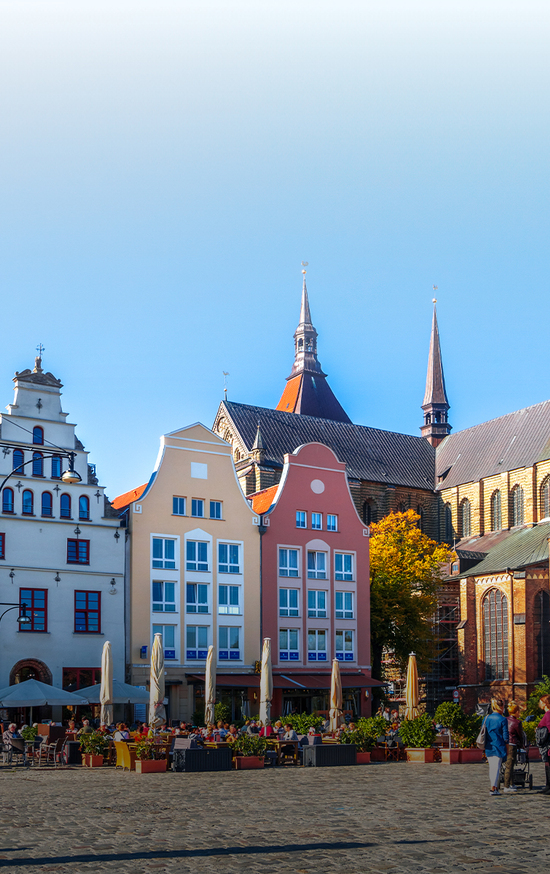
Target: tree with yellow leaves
[{"x": 405, "y": 568}]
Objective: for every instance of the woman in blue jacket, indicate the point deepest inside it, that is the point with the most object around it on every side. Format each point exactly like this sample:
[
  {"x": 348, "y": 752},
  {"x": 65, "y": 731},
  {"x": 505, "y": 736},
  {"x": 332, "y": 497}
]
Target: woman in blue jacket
[{"x": 496, "y": 742}]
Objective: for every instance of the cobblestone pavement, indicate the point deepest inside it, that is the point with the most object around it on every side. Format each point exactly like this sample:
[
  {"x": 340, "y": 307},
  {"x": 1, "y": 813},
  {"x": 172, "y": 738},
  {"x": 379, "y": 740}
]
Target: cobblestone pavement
[{"x": 371, "y": 818}]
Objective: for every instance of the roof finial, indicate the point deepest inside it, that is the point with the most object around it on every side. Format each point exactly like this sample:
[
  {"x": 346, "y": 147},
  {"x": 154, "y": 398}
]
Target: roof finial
[
  {"x": 38, "y": 360},
  {"x": 225, "y": 375},
  {"x": 434, "y": 299}
]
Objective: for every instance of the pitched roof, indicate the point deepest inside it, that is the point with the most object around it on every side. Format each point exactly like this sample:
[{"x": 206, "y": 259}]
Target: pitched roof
[
  {"x": 128, "y": 497},
  {"x": 262, "y": 501},
  {"x": 370, "y": 454},
  {"x": 512, "y": 441},
  {"x": 522, "y": 548},
  {"x": 435, "y": 381}
]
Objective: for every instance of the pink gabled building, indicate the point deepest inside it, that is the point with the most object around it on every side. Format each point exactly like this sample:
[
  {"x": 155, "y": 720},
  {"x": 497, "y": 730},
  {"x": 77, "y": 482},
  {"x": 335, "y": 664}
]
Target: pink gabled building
[{"x": 315, "y": 588}]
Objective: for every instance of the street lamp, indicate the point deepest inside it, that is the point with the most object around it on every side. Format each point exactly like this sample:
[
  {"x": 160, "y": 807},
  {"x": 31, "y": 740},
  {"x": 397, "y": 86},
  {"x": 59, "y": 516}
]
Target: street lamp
[
  {"x": 68, "y": 476},
  {"x": 23, "y": 619}
]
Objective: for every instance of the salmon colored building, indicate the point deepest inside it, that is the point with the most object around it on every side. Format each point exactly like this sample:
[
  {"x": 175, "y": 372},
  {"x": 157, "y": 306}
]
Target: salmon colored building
[{"x": 315, "y": 584}]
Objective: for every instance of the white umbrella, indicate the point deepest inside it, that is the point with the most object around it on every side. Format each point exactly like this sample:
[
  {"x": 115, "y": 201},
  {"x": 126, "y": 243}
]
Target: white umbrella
[
  {"x": 209, "y": 687},
  {"x": 33, "y": 693},
  {"x": 106, "y": 694},
  {"x": 157, "y": 713},
  {"x": 123, "y": 693},
  {"x": 412, "y": 696},
  {"x": 335, "y": 697},
  {"x": 266, "y": 683}
]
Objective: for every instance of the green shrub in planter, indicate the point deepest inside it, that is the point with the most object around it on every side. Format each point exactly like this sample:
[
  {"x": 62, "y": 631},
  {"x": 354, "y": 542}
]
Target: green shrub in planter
[
  {"x": 362, "y": 740},
  {"x": 418, "y": 733},
  {"x": 29, "y": 732},
  {"x": 250, "y": 745},
  {"x": 302, "y": 722},
  {"x": 93, "y": 744},
  {"x": 374, "y": 726},
  {"x": 464, "y": 728},
  {"x": 530, "y": 729}
]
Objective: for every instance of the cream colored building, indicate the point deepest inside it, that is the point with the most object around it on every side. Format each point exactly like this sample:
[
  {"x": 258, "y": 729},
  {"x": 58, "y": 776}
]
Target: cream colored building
[{"x": 193, "y": 570}]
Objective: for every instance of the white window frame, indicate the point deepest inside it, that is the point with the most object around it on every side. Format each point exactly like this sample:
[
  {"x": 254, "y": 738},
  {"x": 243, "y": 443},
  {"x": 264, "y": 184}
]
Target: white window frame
[
  {"x": 315, "y": 572},
  {"x": 319, "y": 596},
  {"x": 332, "y": 526},
  {"x": 163, "y": 563},
  {"x": 197, "y": 503},
  {"x": 287, "y": 654},
  {"x": 285, "y": 569},
  {"x": 163, "y": 602},
  {"x": 228, "y": 652},
  {"x": 316, "y": 521},
  {"x": 201, "y": 589},
  {"x": 289, "y": 610},
  {"x": 218, "y": 504},
  {"x": 343, "y": 612},
  {"x": 229, "y": 609},
  {"x": 344, "y": 575},
  {"x": 196, "y": 562},
  {"x": 301, "y": 516},
  {"x": 341, "y": 652},
  {"x": 179, "y": 505},
  {"x": 170, "y": 652},
  {"x": 200, "y": 651},
  {"x": 229, "y": 567},
  {"x": 319, "y": 653}
]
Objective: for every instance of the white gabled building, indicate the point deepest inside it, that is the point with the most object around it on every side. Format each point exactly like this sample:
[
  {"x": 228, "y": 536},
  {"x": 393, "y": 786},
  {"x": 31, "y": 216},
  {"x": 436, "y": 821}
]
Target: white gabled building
[{"x": 61, "y": 550}]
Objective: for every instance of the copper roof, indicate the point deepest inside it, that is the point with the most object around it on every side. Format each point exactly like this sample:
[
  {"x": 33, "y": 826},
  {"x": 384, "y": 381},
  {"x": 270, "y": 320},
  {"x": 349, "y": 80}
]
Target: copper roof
[{"x": 522, "y": 548}]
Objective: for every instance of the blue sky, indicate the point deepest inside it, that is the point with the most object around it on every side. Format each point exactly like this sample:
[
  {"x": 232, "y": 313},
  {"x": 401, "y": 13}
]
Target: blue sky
[{"x": 166, "y": 166}]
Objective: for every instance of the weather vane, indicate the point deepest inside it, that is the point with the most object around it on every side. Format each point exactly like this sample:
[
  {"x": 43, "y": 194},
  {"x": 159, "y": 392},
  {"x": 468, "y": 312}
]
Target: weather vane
[
  {"x": 40, "y": 349},
  {"x": 304, "y": 265},
  {"x": 225, "y": 375},
  {"x": 434, "y": 299}
]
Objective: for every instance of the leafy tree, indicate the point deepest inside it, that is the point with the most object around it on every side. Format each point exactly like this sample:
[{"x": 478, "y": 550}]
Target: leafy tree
[
  {"x": 532, "y": 705},
  {"x": 405, "y": 574}
]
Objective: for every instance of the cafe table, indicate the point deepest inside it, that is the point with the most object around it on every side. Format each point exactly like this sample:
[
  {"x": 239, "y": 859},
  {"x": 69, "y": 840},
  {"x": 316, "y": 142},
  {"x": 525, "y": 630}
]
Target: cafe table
[{"x": 278, "y": 746}]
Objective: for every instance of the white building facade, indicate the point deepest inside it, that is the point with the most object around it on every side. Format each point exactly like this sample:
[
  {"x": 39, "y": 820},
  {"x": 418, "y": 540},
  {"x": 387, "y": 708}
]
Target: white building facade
[{"x": 61, "y": 550}]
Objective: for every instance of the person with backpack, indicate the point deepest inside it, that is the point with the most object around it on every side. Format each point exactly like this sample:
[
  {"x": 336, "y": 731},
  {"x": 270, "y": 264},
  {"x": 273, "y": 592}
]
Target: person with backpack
[
  {"x": 496, "y": 740},
  {"x": 543, "y": 740}
]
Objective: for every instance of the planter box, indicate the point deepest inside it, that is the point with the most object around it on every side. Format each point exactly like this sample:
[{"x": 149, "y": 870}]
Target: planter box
[
  {"x": 150, "y": 766},
  {"x": 471, "y": 756},
  {"x": 363, "y": 758},
  {"x": 92, "y": 761},
  {"x": 423, "y": 755},
  {"x": 329, "y": 755},
  {"x": 450, "y": 756},
  {"x": 377, "y": 755},
  {"x": 202, "y": 760},
  {"x": 248, "y": 763}
]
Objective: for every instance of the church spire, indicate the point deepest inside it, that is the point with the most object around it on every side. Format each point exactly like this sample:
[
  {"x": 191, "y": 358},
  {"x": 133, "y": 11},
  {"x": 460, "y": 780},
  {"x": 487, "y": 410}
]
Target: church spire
[{"x": 435, "y": 405}]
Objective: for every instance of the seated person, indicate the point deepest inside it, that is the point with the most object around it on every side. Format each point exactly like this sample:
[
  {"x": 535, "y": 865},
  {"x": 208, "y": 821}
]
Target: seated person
[
  {"x": 10, "y": 734},
  {"x": 209, "y": 734},
  {"x": 122, "y": 732},
  {"x": 86, "y": 727},
  {"x": 221, "y": 730},
  {"x": 232, "y": 734},
  {"x": 279, "y": 728},
  {"x": 250, "y": 727},
  {"x": 289, "y": 733},
  {"x": 267, "y": 730}
]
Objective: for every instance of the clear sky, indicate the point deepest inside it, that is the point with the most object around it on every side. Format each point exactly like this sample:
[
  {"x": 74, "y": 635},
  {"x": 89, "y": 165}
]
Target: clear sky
[{"x": 166, "y": 166}]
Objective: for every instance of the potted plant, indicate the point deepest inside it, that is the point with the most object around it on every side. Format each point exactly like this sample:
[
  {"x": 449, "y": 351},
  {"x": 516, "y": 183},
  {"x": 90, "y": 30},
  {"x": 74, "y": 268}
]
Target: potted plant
[
  {"x": 249, "y": 750},
  {"x": 375, "y": 727},
  {"x": 93, "y": 747},
  {"x": 150, "y": 758},
  {"x": 302, "y": 722},
  {"x": 29, "y": 732},
  {"x": 452, "y": 717},
  {"x": 363, "y": 744},
  {"x": 418, "y": 736}
]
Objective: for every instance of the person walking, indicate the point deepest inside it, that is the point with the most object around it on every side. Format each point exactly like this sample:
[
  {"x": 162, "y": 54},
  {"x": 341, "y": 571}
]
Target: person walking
[
  {"x": 544, "y": 747},
  {"x": 496, "y": 742},
  {"x": 515, "y": 735}
]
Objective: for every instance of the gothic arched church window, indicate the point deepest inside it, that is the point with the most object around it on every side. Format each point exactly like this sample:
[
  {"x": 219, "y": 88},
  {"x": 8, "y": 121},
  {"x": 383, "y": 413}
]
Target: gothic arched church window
[
  {"x": 496, "y": 511},
  {"x": 516, "y": 506},
  {"x": 495, "y": 635},
  {"x": 465, "y": 518}
]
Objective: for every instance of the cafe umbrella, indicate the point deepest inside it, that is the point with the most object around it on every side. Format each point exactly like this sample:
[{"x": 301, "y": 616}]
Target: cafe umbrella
[
  {"x": 123, "y": 693},
  {"x": 157, "y": 713},
  {"x": 33, "y": 693},
  {"x": 266, "y": 683},
  {"x": 335, "y": 697},
  {"x": 411, "y": 696},
  {"x": 209, "y": 687},
  {"x": 106, "y": 693}
]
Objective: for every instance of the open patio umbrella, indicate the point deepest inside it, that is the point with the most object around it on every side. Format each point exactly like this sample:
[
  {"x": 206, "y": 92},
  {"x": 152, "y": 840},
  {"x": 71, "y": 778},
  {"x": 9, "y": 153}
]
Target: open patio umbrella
[
  {"x": 33, "y": 693},
  {"x": 266, "y": 683},
  {"x": 106, "y": 695},
  {"x": 411, "y": 697},
  {"x": 335, "y": 697},
  {"x": 157, "y": 713},
  {"x": 209, "y": 687},
  {"x": 123, "y": 693}
]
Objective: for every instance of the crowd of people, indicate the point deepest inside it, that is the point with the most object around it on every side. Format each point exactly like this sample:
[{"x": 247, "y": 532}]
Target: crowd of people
[{"x": 502, "y": 736}]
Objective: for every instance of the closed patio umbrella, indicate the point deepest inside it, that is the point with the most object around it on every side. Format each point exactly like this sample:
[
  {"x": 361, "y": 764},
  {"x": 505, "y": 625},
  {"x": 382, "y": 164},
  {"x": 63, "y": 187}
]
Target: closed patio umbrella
[
  {"x": 106, "y": 695},
  {"x": 33, "y": 693},
  {"x": 123, "y": 693},
  {"x": 266, "y": 683},
  {"x": 209, "y": 687},
  {"x": 411, "y": 697},
  {"x": 335, "y": 697},
  {"x": 157, "y": 713}
]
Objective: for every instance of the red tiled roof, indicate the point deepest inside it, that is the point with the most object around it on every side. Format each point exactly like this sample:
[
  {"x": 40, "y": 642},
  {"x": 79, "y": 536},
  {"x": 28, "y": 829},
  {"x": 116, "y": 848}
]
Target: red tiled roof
[
  {"x": 128, "y": 497},
  {"x": 289, "y": 397},
  {"x": 262, "y": 501}
]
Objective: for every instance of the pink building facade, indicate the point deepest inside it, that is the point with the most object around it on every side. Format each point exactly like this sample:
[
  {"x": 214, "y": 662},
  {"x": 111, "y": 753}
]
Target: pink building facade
[{"x": 315, "y": 584}]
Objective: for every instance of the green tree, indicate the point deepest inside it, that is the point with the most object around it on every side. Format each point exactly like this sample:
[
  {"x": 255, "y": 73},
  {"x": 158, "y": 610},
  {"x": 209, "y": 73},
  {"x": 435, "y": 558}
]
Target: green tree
[{"x": 405, "y": 568}]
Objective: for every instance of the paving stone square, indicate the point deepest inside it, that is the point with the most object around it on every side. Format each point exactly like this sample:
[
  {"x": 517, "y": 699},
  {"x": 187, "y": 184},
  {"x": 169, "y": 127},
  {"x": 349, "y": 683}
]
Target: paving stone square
[{"x": 381, "y": 818}]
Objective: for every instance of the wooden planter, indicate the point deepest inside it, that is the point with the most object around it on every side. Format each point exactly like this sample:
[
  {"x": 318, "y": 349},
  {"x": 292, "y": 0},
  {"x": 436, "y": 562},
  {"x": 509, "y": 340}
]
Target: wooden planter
[
  {"x": 363, "y": 758},
  {"x": 450, "y": 756},
  {"x": 421, "y": 754},
  {"x": 248, "y": 763},
  {"x": 377, "y": 755},
  {"x": 150, "y": 766},
  {"x": 91, "y": 761},
  {"x": 471, "y": 756}
]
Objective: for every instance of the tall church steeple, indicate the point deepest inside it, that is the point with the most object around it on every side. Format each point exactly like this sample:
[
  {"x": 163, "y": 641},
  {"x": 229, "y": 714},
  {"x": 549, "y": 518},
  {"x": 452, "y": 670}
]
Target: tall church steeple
[{"x": 435, "y": 405}]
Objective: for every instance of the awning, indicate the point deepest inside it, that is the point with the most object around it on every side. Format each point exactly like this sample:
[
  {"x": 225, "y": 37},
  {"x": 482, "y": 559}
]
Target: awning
[
  {"x": 235, "y": 681},
  {"x": 294, "y": 682}
]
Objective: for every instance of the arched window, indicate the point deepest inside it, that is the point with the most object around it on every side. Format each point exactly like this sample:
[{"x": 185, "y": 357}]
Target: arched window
[
  {"x": 38, "y": 435},
  {"x": 37, "y": 464},
  {"x": 401, "y": 508},
  {"x": 300, "y": 343},
  {"x": 420, "y": 511},
  {"x": 370, "y": 514},
  {"x": 7, "y": 501},
  {"x": 56, "y": 467},
  {"x": 83, "y": 507},
  {"x": 541, "y": 632},
  {"x": 28, "y": 503},
  {"x": 46, "y": 504},
  {"x": 495, "y": 635},
  {"x": 18, "y": 459},
  {"x": 65, "y": 506},
  {"x": 545, "y": 498},
  {"x": 516, "y": 506},
  {"x": 448, "y": 523},
  {"x": 496, "y": 512},
  {"x": 465, "y": 518}
]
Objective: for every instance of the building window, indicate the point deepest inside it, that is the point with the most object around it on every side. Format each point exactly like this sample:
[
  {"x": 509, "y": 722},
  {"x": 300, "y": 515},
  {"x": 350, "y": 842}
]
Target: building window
[
  {"x": 2, "y": 545},
  {"x": 288, "y": 562},
  {"x": 164, "y": 553},
  {"x": 197, "y": 641},
  {"x": 288, "y": 602},
  {"x": 496, "y": 512},
  {"x": 78, "y": 551},
  {"x": 47, "y": 504},
  {"x": 80, "y": 678},
  {"x": 65, "y": 506},
  {"x": 164, "y": 597},
  {"x": 197, "y": 508},
  {"x": 228, "y": 558},
  {"x": 38, "y": 435},
  {"x": 7, "y": 501},
  {"x": 288, "y": 645},
  {"x": 215, "y": 509},
  {"x": 18, "y": 461},
  {"x": 343, "y": 566},
  {"x": 344, "y": 605},
  {"x": 316, "y": 604},
  {"x": 229, "y": 642},
  {"x": 421, "y": 513},
  {"x": 344, "y": 645},
  {"x": 495, "y": 635},
  {"x": 449, "y": 530},
  {"x": 28, "y": 503},
  {"x": 541, "y": 633},
  {"x": 178, "y": 506},
  {"x": 197, "y": 598},
  {"x": 37, "y": 464},
  {"x": 317, "y": 565},
  {"x": 317, "y": 645},
  {"x": 56, "y": 467},
  {"x": 317, "y": 521},
  {"x": 83, "y": 507},
  {"x": 332, "y": 522},
  {"x": 301, "y": 519},
  {"x": 36, "y": 601},
  {"x": 516, "y": 506},
  {"x": 545, "y": 498},
  {"x": 168, "y": 639},
  {"x": 196, "y": 555},
  {"x": 228, "y": 599},
  {"x": 87, "y": 606},
  {"x": 465, "y": 518}
]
